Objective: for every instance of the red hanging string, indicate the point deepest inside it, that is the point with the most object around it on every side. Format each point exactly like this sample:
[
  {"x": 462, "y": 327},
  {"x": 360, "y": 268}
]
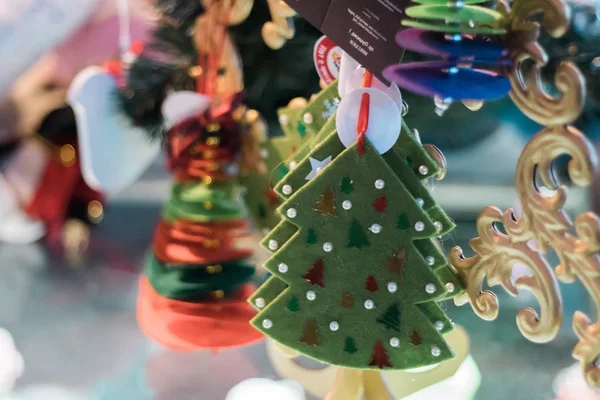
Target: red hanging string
[
  {"x": 211, "y": 59},
  {"x": 203, "y": 56},
  {"x": 363, "y": 115},
  {"x": 220, "y": 50}
]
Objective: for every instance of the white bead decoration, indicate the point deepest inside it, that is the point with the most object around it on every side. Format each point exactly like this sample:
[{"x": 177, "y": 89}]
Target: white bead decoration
[
  {"x": 273, "y": 245},
  {"x": 435, "y": 351},
  {"x": 375, "y": 228},
  {"x": 347, "y": 205},
  {"x": 419, "y": 226},
  {"x": 430, "y": 288},
  {"x": 292, "y": 213},
  {"x": 293, "y": 165},
  {"x": 283, "y": 119},
  {"x": 438, "y": 225},
  {"x": 260, "y": 302},
  {"x": 395, "y": 342},
  {"x": 327, "y": 247},
  {"x": 267, "y": 324},
  {"x": 450, "y": 287},
  {"x": 423, "y": 170},
  {"x": 334, "y": 326},
  {"x": 310, "y": 295},
  {"x": 308, "y": 118},
  {"x": 392, "y": 287},
  {"x": 379, "y": 184},
  {"x": 264, "y": 153},
  {"x": 439, "y": 325},
  {"x": 283, "y": 268},
  {"x": 420, "y": 202},
  {"x": 369, "y": 305},
  {"x": 287, "y": 190},
  {"x": 430, "y": 260}
]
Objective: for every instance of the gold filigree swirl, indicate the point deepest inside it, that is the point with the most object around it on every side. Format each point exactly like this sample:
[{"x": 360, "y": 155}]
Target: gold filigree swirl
[
  {"x": 495, "y": 257},
  {"x": 529, "y": 94},
  {"x": 587, "y": 350},
  {"x": 543, "y": 222},
  {"x": 528, "y": 89},
  {"x": 582, "y": 261},
  {"x": 543, "y": 217}
]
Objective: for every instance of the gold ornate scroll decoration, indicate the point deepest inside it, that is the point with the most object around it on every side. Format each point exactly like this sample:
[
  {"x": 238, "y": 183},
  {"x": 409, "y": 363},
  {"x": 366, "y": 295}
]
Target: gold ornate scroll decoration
[
  {"x": 582, "y": 261},
  {"x": 543, "y": 221},
  {"x": 495, "y": 257},
  {"x": 529, "y": 57},
  {"x": 543, "y": 216},
  {"x": 281, "y": 27}
]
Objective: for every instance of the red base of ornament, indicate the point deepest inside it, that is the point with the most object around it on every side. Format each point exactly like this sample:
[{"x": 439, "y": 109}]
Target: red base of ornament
[{"x": 186, "y": 326}]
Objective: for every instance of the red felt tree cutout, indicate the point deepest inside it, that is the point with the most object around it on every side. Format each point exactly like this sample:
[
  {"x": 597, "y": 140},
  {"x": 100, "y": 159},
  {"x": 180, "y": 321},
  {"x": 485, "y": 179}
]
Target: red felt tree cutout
[
  {"x": 315, "y": 274},
  {"x": 380, "y": 356},
  {"x": 272, "y": 197},
  {"x": 371, "y": 284},
  {"x": 380, "y": 205}
]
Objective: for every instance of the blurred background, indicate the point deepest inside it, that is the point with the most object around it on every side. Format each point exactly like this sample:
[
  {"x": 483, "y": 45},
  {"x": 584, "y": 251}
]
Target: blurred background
[{"x": 69, "y": 276}]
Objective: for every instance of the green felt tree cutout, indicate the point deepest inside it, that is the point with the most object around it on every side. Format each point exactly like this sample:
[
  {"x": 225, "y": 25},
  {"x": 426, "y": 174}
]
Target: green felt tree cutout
[
  {"x": 391, "y": 318},
  {"x": 347, "y": 186},
  {"x": 357, "y": 237},
  {"x": 311, "y": 237},
  {"x": 350, "y": 346},
  {"x": 262, "y": 211},
  {"x": 315, "y": 275},
  {"x": 403, "y": 223},
  {"x": 301, "y": 128},
  {"x": 294, "y": 304},
  {"x": 380, "y": 356},
  {"x": 357, "y": 244}
]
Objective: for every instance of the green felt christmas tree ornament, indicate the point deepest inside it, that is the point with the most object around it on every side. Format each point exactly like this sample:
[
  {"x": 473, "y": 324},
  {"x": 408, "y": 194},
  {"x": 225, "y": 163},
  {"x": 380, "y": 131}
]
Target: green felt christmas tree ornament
[
  {"x": 355, "y": 246},
  {"x": 408, "y": 158},
  {"x": 301, "y": 122}
]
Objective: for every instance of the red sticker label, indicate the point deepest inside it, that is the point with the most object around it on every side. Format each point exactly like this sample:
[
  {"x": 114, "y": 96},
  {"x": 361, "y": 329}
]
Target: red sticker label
[{"x": 327, "y": 59}]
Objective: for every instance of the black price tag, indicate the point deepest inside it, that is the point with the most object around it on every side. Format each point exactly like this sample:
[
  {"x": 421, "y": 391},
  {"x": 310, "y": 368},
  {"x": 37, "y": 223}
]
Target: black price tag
[{"x": 365, "y": 29}]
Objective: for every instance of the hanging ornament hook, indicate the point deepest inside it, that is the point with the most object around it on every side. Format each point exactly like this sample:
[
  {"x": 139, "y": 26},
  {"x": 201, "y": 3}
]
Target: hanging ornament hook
[{"x": 127, "y": 56}]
